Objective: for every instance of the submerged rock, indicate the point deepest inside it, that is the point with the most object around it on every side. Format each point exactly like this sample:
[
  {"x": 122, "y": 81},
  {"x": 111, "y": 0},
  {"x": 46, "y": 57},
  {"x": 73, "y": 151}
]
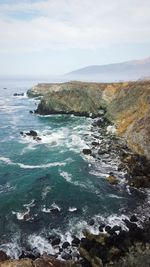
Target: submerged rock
[
  {"x": 18, "y": 94},
  {"x": 91, "y": 222},
  {"x": 32, "y": 133}
]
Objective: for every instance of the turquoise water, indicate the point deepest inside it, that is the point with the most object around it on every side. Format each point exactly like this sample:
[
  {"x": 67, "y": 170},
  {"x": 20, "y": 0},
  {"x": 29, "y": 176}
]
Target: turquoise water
[{"x": 38, "y": 176}]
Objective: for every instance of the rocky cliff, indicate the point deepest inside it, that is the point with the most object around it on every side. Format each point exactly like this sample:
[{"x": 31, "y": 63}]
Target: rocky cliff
[{"x": 127, "y": 105}]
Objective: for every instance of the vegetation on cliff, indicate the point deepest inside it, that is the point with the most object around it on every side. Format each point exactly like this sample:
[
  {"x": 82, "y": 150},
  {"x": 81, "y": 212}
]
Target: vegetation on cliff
[{"x": 127, "y": 106}]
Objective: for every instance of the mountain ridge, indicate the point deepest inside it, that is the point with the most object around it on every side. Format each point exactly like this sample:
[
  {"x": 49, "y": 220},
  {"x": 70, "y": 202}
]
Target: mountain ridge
[{"x": 128, "y": 70}]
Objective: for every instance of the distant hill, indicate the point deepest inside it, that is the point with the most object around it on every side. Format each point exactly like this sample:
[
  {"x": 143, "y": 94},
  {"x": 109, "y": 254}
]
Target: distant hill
[{"x": 130, "y": 70}]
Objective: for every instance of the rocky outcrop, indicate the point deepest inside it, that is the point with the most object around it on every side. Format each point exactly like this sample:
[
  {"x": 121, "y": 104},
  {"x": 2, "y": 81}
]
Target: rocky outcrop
[
  {"x": 116, "y": 247},
  {"x": 127, "y": 105},
  {"x": 43, "y": 261}
]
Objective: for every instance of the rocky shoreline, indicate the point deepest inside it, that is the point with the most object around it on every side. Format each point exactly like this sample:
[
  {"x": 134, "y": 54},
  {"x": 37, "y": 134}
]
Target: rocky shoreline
[{"x": 114, "y": 245}]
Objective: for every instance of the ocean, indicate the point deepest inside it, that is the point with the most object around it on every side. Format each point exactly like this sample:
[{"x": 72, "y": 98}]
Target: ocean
[{"x": 49, "y": 186}]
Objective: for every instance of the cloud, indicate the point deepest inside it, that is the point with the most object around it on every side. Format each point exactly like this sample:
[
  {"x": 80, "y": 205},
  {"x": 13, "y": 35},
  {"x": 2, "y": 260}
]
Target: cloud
[{"x": 65, "y": 24}]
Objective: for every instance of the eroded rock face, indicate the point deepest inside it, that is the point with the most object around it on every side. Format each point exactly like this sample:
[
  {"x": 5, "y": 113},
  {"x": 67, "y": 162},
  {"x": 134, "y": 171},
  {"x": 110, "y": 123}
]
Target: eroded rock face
[
  {"x": 17, "y": 263},
  {"x": 44, "y": 261},
  {"x": 126, "y": 104}
]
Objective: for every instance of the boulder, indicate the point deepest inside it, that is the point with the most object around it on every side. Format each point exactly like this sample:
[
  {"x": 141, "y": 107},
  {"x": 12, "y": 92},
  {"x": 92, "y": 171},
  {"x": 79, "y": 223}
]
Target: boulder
[
  {"x": 133, "y": 218},
  {"x": 91, "y": 222},
  {"x": 94, "y": 143},
  {"x": 112, "y": 179},
  {"x": 65, "y": 245},
  {"x": 66, "y": 256},
  {"x": 75, "y": 242},
  {"x": 101, "y": 227},
  {"x": 32, "y": 133},
  {"x": 3, "y": 256},
  {"x": 56, "y": 241},
  {"x": 87, "y": 151}
]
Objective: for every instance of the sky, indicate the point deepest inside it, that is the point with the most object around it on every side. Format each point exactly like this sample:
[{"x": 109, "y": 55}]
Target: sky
[{"x": 52, "y": 37}]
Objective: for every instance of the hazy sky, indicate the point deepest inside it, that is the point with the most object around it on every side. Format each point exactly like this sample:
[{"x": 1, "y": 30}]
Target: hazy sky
[{"x": 56, "y": 36}]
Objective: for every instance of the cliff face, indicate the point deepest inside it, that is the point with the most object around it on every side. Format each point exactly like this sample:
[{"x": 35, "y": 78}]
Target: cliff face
[{"x": 127, "y": 105}]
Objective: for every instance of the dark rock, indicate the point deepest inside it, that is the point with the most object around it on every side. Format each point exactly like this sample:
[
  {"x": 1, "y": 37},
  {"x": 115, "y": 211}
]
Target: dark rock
[
  {"x": 38, "y": 138},
  {"x": 102, "y": 151},
  {"x": 116, "y": 228},
  {"x": 51, "y": 237},
  {"x": 86, "y": 151},
  {"x": 55, "y": 210},
  {"x": 18, "y": 94},
  {"x": 30, "y": 254},
  {"x": 98, "y": 122},
  {"x": 3, "y": 256},
  {"x": 94, "y": 143},
  {"x": 31, "y": 112},
  {"x": 33, "y": 133},
  {"x": 108, "y": 229},
  {"x": 75, "y": 242},
  {"x": 133, "y": 218},
  {"x": 85, "y": 263},
  {"x": 56, "y": 241},
  {"x": 101, "y": 227},
  {"x": 21, "y": 133},
  {"x": 65, "y": 245},
  {"x": 86, "y": 243},
  {"x": 91, "y": 222},
  {"x": 66, "y": 256},
  {"x": 131, "y": 226}
]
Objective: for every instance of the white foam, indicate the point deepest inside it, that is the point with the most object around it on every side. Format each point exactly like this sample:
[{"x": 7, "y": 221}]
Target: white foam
[
  {"x": 31, "y": 204},
  {"x": 6, "y": 160},
  {"x": 66, "y": 176},
  {"x": 76, "y": 143},
  {"x": 49, "y": 137},
  {"x": 41, "y": 244},
  {"x": 128, "y": 189},
  {"x": 42, "y": 166},
  {"x": 45, "y": 191},
  {"x": 115, "y": 196},
  {"x": 24, "y": 166},
  {"x": 111, "y": 129},
  {"x": 25, "y": 214},
  {"x": 12, "y": 249},
  {"x": 22, "y": 215},
  {"x": 52, "y": 207},
  {"x": 46, "y": 210},
  {"x": 72, "y": 209},
  {"x": 55, "y": 206},
  {"x": 113, "y": 220}
]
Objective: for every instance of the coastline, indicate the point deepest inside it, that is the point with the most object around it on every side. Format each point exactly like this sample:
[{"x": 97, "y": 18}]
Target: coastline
[{"x": 129, "y": 160}]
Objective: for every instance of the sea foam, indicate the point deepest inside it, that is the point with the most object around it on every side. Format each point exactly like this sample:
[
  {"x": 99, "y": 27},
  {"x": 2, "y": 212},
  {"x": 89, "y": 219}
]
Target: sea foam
[{"x": 24, "y": 166}]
